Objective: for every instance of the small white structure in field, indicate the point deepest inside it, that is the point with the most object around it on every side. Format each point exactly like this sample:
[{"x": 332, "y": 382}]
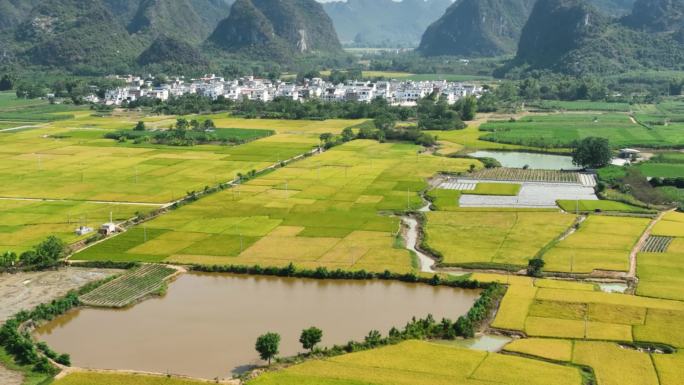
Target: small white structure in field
[
  {"x": 629, "y": 153},
  {"x": 108, "y": 228},
  {"x": 83, "y": 230}
]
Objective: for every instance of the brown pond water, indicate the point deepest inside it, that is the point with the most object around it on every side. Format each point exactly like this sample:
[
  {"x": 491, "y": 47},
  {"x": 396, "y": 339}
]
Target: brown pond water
[{"x": 206, "y": 325}]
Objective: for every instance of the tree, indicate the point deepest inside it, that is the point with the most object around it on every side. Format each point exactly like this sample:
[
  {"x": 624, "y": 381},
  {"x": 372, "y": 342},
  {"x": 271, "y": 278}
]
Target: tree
[
  {"x": 267, "y": 345},
  {"x": 140, "y": 126},
  {"x": 469, "y": 108},
  {"x": 208, "y": 125},
  {"x": 6, "y": 83},
  {"x": 310, "y": 338},
  {"x": 535, "y": 267},
  {"x": 325, "y": 137},
  {"x": 347, "y": 134},
  {"x": 592, "y": 152},
  {"x": 182, "y": 124},
  {"x": 195, "y": 125},
  {"x": 49, "y": 251},
  {"x": 374, "y": 338},
  {"x": 464, "y": 327}
]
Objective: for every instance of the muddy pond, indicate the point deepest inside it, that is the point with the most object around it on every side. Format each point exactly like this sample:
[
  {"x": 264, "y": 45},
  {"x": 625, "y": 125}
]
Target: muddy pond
[
  {"x": 516, "y": 159},
  {"x": 206, "y": 325}
]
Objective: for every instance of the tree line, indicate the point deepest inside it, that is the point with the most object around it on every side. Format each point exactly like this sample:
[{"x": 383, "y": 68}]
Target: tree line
[
  {"x": 46, "y": 254},
  {"x": 268, "y": 345}
]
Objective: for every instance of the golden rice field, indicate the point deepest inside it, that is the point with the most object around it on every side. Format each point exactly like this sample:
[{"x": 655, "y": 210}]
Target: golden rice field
[
  {"x": 415, "y": 363},
  {"x": 25, "y": 223},
  {"x": 548, "y": 348},
  {"x": 491, "y": 237},
  {"x": 90, "y": 378},
  {"x": 72, "y": 160},
  {"x": 600, "y": 243},
  {"x": 332, "y": 210}
]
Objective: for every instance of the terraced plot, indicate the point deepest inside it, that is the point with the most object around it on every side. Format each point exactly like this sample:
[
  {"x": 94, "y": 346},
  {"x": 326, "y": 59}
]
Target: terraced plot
[
  {"x": 322, "y": 211},
  {"x": 130, "y": 287},
  {"x": 600, "y": 243},
  {"x": 415, "y": 362},
  {"x": 495, "y": 238}
]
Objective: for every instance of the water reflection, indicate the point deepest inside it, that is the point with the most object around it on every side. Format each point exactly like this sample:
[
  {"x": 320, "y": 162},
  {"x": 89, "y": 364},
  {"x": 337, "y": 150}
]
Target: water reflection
[{"x": 207, "y": 324}]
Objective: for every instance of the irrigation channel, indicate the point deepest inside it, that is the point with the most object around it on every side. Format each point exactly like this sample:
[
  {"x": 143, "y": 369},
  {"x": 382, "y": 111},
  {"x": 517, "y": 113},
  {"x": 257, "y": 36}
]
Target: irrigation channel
[
  {"x": 206, "y": 325},
  {"x": 517, "y": 159}
]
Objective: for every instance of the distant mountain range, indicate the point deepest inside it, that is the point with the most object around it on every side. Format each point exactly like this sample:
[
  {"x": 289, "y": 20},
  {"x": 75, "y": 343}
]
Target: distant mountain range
[
  {"x": 491, "y": 27},
  {"x": 99, "y": 35},
  {"x": 384, "y": 23},
  {"x": 572, "y": 36}
]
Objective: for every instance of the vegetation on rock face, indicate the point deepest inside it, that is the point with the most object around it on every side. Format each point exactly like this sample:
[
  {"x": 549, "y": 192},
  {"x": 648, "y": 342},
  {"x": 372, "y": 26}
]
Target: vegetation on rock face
[
  {"x": 477, "y": 28},
  {"x": 572, "y": 36},
  {"x": 171, "y": 51},
  {"x": 276, "y": 29}
]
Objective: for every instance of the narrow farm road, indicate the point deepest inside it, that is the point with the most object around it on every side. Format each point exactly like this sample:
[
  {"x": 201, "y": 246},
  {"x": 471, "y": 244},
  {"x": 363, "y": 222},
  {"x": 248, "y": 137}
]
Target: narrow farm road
[
  {"x": 83, "y": 201},
  {"x": 8, "y": 377},
  {"x": 640, "y": 244}
]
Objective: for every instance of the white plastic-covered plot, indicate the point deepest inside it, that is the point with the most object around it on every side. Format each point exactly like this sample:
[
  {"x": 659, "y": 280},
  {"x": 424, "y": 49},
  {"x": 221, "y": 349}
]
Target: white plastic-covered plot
[{"x": 532, "y": 195}]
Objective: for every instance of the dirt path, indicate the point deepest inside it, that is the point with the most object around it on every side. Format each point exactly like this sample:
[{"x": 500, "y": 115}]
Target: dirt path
[
  {"x": 640, "y": 245},
  {"x": 68, "y": 370},
  {"x": 8, "y": 377},
  {"x": 631, "y": 118},
  {"x": 18, "y": 128},
  {"x": 83, "y": 201}
]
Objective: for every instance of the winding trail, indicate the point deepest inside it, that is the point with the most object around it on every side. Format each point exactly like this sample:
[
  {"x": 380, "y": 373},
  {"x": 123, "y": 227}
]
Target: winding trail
[{"x": 426, "y": 263}]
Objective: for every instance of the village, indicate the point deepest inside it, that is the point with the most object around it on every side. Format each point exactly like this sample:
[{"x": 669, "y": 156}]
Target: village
[{"x": 396, "y": 92}]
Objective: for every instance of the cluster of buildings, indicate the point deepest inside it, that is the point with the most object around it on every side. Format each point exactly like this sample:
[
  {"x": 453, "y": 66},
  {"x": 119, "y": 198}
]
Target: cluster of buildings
[{"x": 396, "y": 92}]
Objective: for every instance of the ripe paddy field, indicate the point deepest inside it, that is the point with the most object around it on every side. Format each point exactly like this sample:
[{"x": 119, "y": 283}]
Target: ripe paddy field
[{"x": 343, "y": 208}]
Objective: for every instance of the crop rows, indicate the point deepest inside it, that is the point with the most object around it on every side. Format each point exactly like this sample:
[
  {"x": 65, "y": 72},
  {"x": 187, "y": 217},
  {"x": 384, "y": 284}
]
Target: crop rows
[
  {"x": 129, "y": 288},
  {"x": 655, "y": 244},
  {"x": 523, "y": 175}
]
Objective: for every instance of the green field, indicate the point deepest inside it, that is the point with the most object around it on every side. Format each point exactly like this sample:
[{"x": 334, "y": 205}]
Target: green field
[
  {"x": 509, "y": 189},
  {"x": 582, "y": 105},
  {"x": 600, "y": 243},
  {"x": 322, "y": 211},
  {"x": 24, "y": 224},
  {"x": 600, "y": 205},
  {"x": 417, "y": 363},
  {"x": 490, "y": 237},
  {"x": 561, "y": 130},
  {"x": 71, "y": 159}
]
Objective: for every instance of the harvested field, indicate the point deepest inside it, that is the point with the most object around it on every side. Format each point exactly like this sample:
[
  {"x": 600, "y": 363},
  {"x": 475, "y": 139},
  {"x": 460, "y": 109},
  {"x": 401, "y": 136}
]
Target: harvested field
[{"x": 24, "y": 291}]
